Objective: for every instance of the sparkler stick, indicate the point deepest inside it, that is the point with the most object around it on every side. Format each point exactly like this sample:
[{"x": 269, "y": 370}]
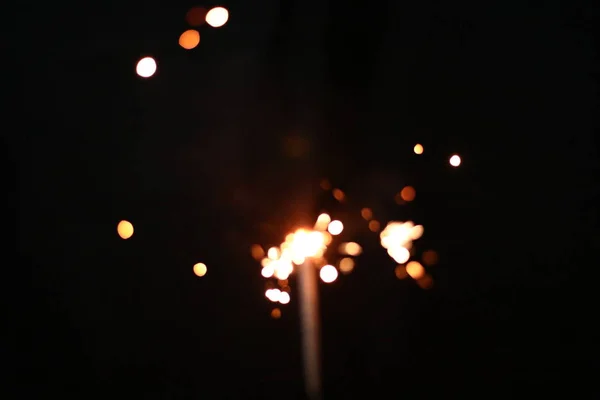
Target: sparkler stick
[{"x": 309, "y": 314}]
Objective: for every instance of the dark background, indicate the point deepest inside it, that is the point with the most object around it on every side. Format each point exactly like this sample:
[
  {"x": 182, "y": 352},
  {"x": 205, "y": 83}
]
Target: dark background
[{"x": 198, "y": 158}]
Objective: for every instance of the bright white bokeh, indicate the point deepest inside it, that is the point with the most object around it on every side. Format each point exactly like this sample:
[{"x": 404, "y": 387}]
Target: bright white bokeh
[
  {"x": 455, "y": 160},
  {"x": 146, "y": 67},
  {"x": 217, "y": 17}
]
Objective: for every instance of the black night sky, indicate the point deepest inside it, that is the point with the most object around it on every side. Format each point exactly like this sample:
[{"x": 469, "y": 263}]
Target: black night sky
[{"x": 226, "y": 145}]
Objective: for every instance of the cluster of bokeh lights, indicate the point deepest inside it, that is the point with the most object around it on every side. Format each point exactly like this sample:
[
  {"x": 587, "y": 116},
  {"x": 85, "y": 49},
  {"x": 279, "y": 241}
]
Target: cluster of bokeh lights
[{"x": 216, "y": 17}]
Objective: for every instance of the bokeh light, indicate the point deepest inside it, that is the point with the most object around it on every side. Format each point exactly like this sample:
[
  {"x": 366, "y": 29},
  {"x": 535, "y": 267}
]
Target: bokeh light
[
  {"x": 284, "y": 297},
  {"x": 276, "y": 313},
  {"x": 346, "y": 265},
  {"x": 418, "y": 149},
  {"x": 366, "y": 213},
  {"x": 335, "y": 227},
  {"x": 146, "y": 67},
  {"x": 408, "y": 193},
  {"x": 196, "y": 16},
  {"x": 125, "y": 229},
  {"x": 322, "y": 222},
  {"x": 217, "y": 17},
  {"x": 350, "y": 248},
  {"x": 429, "y": 258},
  {"x": 257, "y": 252},
  {"x": 339, "y": 195},
  {"x": 415, "y": 270},
  {"x": 400, "y": 272},
  {"x": 200, "y": 269},
  {"x": 328, "y": 273},
  {"x": 189, "y": 39},
  {"x": 374, "y": 226},
  {"x": 455, "y": 160}
]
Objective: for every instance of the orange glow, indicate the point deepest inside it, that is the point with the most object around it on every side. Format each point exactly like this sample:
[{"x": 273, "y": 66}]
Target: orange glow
[
  {"x": 430, "y": 258},
  {"x": 273, "y": 253},
  {"x": 351, "y": 249},
  {"x": 455, "y": 160},
  {"x": 418, "y": 149},
  {"x": 325, "y": 185},
  {"x": 335, "y": 227},
  {"x": 374, "y": 226},
  {"x": 346, "y": 265},
  {"x": 322, "y": 222},
  {"x": 339, "y": 195},
  {"x": 415, "y": 269},
  {"x": 366, "y": 213},
  {"x": 408, "y": 193},
  {"x": 195, "y": 16},
  {"x": 276, "y": 313},
  {"x": 217, "y": 17},
  {"x": 328, "y": 273},
  {"x": 400, "y": 272},
  {"x": 189, "y": 39},
  {"x": 257, "y": 252},
  {"x": 125, "y": 229},
  {"x": 200, "y": 269},
  {"x": 146, "y": 67},
  {"x": 425, "y": 282}
]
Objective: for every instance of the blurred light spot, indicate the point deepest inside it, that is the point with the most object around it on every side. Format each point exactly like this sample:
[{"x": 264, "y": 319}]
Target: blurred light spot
[
  {"x": 346, "y": 265},
  {"x": 323, "y": 221},
  {"x": 325, "y": 185},
  {"x": 146, "y": 67},
  {"x": 328, "y": 273},
  {"x": 200, "y": 269},
  {"x": 418, "y": 149},
  {"x": 399, "y": 254},
  {"x": 374, "y": 226},
  {"x": 399, "y": 200},
  {"x": 217, "y": 17},
  {"x": 415, "y": 269},
  {"x": 416, "y": 232},
  {"x": 327, "y": 238},
  {"x": 257, "y": 252},
  {"x": 366, "y": 213},
  {"x": 400, "y": 272},
  {"x": 189, "y": 39},
  {"x": 350, "y": 248},
  {"x": 267, "y": 271},
  {"x": 284, "y": 297},
  {"x": 276, "y": 313},
  {"x": 430, "y": 258},
  {"x": 196, "y": 16},
  {"x": 455, "y": 160},
  {"x": 408, "y": 193},
  {"x": 125, "y": 229},
  {"x": 339, "y": 195},
  {"x": 273, "y": 253},
  {"x": 335, "y": 227},
  {"x": 265, "y": 262},
  {"x": 425, "y": 282},
  {"x": 273, "y": 294}
]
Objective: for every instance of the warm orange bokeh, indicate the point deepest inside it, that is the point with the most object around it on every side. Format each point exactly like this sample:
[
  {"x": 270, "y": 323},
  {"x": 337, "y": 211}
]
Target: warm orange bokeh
[
  {"x": 366, "y": 213},
  {"x": 125, "y": 229},
  {"x": 429, "y": 258},
  {"x": 189, "y": 39},
  {"x": 408, "y": 193},
  {"x": 196, "y": 16}
]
